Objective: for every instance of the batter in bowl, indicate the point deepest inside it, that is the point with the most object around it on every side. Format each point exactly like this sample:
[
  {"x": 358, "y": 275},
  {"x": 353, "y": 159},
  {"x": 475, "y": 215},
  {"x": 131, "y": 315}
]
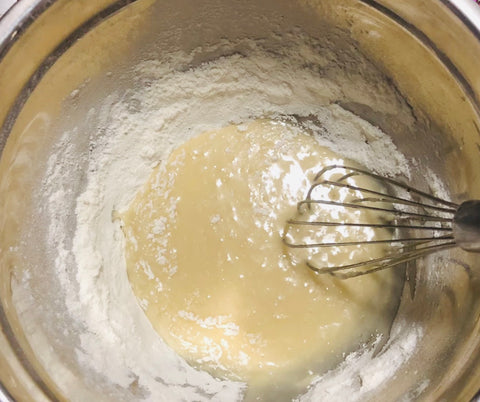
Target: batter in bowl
[
  {"x": 130, "y": 134},
  {"x": 206, "y": 261}
]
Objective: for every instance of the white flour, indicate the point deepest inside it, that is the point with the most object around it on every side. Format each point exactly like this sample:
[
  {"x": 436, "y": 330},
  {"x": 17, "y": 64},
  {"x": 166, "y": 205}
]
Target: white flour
[
  {"x": 116, "y": 341},
  {"x": 360, "y": 374}
]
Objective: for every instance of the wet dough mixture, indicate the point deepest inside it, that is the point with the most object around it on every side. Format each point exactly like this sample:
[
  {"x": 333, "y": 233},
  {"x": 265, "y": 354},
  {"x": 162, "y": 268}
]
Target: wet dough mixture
[{"x": 207, "y": 264}]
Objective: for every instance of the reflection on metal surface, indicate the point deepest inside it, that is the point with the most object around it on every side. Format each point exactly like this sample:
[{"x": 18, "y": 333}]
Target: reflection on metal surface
[
  {"x": 420, "y": 35},
  {"x": 38, "y": 8},
  {"x": 50, "y": 60}
]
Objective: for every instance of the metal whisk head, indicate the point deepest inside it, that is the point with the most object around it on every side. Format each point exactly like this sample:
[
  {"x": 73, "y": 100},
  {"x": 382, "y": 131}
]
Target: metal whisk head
[{"x": 375, "y": 223}]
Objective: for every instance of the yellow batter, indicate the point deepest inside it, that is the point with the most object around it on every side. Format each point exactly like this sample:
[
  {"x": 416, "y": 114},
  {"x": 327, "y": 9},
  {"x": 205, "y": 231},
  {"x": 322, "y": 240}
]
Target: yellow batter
[{"x": 207, "y": 264}]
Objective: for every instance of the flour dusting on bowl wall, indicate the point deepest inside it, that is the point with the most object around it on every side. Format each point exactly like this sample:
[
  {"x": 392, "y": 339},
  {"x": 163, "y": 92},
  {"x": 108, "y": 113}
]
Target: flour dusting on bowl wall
[{"x": 152, "y": 154}]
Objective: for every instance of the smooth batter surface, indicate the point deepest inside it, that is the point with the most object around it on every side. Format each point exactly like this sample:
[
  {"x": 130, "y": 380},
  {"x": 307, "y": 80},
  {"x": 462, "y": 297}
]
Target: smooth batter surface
[{"x": 207, "y": 264}]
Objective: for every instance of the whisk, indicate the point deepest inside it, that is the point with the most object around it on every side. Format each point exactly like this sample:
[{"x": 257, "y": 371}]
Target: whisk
[{"x": 416, "y": 223}]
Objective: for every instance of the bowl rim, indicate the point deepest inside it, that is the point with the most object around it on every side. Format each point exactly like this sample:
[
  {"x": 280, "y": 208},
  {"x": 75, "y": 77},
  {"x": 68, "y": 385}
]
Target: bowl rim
[{"x": 17, "y": 21}]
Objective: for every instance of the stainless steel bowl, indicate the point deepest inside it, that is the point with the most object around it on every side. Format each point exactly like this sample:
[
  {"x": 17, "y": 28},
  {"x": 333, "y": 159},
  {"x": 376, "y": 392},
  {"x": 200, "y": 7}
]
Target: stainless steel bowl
[{"x": 429, "y": 52}]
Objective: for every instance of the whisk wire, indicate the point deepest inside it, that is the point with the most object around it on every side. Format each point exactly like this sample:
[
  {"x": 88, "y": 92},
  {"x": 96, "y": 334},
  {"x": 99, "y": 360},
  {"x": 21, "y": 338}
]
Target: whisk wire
[
  {"x": 396, "y": 212},
  {"x": 385, "y": 197},
  {"x": 369, "y": 225},
  {"x": 409, "y": 220},
  {"x": 379, "y": 264},
  {"x": 388, "y": 180},
  {"x": 360, "y": 242}
]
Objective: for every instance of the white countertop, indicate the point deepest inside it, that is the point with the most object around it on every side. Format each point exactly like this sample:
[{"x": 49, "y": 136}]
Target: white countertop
[{"x": 5, "y": 5}]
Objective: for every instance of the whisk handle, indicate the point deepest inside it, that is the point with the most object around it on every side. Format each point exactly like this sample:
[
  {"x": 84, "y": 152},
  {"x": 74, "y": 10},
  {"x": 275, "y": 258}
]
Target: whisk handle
[{"x": 466, "y": 226}]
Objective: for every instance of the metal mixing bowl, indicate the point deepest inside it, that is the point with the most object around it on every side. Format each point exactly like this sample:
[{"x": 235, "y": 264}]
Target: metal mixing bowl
[{"x": 429, "y": 52}]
